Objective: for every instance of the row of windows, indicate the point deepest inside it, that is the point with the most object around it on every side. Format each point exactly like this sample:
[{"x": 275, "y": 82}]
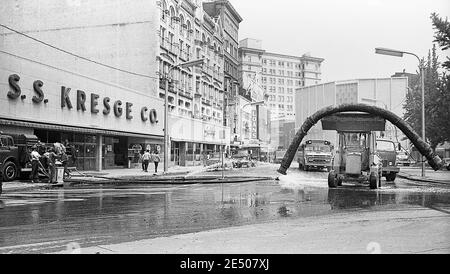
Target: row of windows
[
  {"x": 281, "y": 99},
  {"x": 289, "y": 65},
  {"x": 281, "y": 90},
  {"x": 296, "y": 84},
  {"x": 280, "y": 107},
  {"x": 273, "y": 81},
  {"x": 285, "y": 73}
]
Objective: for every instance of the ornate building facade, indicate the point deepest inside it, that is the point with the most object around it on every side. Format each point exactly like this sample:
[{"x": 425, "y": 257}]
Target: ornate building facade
[{"x": 196, "y": 94}]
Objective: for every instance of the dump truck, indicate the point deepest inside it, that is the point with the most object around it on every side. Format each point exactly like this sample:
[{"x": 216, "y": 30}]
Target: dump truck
[{"x": 14, "y": 155}]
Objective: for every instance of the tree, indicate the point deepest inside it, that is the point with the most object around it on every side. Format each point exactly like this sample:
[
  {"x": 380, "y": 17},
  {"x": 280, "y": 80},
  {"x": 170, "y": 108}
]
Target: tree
[
  {"x": 437, "y": 92},
  {"x": 442, "y": 35},
  {"x": 413, "y": 105}
]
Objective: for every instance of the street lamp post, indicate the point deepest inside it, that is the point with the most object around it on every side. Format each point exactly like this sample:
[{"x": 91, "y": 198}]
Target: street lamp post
[
  {"x": 166, "y": 107},
  {"x": 398, "y": 53}
]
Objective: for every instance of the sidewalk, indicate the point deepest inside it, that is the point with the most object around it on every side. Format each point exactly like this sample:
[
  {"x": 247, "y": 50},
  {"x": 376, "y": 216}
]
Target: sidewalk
[
  {"x": 431, "y": 176},
  {"x": 105, "y": 175},
  {"x": 134, "y": 173}
]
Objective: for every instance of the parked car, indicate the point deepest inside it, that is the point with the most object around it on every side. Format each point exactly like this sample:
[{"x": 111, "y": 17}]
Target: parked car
[
  {"x": 447, "y": 163},
  {"x": 242, "y": 159},
  {"x": 404, "y": 159},
  {"x": 213, "y": 159}
]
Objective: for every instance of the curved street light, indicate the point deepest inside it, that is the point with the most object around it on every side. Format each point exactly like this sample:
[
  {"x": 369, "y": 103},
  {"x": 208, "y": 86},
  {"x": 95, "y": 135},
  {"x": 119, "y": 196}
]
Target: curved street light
[{"x": 398, "y": 53}]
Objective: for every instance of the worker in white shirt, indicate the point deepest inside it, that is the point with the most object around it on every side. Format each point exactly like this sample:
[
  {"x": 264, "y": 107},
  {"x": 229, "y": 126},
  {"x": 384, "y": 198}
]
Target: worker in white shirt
[{"x": 35, "y": 158}]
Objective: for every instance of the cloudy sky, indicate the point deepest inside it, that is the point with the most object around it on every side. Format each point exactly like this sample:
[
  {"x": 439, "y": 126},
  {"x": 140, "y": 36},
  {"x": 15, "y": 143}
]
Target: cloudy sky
[{"x": 344, "y": 32}]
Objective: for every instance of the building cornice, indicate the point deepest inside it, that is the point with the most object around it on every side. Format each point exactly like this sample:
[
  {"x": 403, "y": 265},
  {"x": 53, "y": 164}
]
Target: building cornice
[
  {"x": 245, "y": 49},
  {"x": 299, "y": 58},
  {"x": 229, "y": 7}
]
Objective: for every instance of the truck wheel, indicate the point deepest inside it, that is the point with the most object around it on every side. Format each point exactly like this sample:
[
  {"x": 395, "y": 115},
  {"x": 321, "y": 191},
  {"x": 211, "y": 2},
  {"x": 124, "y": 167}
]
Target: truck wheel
[
  {"x": 305, "y": 168},
  {"x": 448, "y": 167},
  {"x": 373, "y": 181},
  {"x": 332, "y": 180},
  {"x": 391, "y": 177},
  {"x": 9, "y": 172}
]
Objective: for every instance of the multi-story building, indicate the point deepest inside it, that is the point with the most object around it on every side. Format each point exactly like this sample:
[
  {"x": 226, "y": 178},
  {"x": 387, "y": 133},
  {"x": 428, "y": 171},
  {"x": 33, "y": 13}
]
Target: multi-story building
[
  {"x": 109, "y": 113},
  {"x": 273, "y": 78},
  {"x": 282, "y": 75},
  {"x": 229, "y": 20},
  {"x": 253, "y": 119},
  {"x": 107, "y": 96},
  {"x": 196, "y": 95}
]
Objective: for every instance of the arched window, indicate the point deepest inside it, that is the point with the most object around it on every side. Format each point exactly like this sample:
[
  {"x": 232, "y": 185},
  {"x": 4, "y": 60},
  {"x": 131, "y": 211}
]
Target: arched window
[
  {"x": 189, "y": 28},
  {"x": 163, "y": 9},
  {"x": 181, "y": 25}
]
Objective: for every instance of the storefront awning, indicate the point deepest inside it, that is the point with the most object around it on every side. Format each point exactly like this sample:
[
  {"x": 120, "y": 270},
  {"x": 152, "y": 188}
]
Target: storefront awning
[
  {"x": 198, "y": 142},
  {"x": 81, "y": 130}
]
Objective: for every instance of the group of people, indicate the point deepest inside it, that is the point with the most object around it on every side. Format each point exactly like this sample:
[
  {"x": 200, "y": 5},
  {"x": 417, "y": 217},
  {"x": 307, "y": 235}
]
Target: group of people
[
  {"x": 148, "y": 157},
  {"x": 47, "y": 160}
]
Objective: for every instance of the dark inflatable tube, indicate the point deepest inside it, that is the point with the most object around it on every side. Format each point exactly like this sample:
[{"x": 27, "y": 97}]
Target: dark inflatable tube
[{"x": 424, "y": 148}]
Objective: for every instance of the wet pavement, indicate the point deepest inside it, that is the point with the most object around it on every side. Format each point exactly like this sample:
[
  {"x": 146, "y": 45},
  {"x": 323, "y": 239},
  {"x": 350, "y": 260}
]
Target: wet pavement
[{"x": 48, "y": 220}]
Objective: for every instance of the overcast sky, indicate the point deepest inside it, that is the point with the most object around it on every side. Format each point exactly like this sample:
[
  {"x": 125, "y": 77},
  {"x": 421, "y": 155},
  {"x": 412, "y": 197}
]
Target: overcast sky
[{"x": 344, "y": 32}]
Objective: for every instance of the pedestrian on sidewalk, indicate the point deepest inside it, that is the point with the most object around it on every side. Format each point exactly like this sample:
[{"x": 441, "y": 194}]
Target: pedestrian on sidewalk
[
  {"x": 35, "y": 158},
  {"x": 156, "y": 159},
  {"x": 146, "y": 159},
  {"x": 141, "y": 160},
  {"x": 1, "y": 187}
]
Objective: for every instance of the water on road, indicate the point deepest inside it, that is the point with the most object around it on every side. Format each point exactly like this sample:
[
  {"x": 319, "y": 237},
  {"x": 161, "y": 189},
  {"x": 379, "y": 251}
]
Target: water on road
[{"x": 41, "y": 221}]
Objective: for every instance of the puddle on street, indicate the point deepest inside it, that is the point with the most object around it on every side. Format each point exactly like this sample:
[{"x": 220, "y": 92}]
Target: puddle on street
[{"x": 106, "y": 215}]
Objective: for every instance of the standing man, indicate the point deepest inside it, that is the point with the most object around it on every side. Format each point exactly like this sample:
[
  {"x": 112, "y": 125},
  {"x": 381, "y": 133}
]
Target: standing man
[
  {"x": 146, "y": 159},
  {"x": 156, "y": 160},
  {"x": 141, "y": 160},
  {"x": 51, "y": 155},
  {"x": 65, "y": 163},
  {"x": 35, "y": 157},
  {"x": 1, "y": 184}
]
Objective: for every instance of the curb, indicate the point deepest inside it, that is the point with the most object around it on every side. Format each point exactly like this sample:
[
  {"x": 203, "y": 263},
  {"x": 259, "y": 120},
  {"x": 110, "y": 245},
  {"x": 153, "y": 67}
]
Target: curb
[
  {"x": 7, "y": 190},
  {"x": 414, "y": 178},
  {"x": 175, "y": 180}
]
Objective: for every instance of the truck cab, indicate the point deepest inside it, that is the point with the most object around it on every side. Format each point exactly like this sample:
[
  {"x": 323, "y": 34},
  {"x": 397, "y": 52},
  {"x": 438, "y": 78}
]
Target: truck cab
[
  {"x": 315, "y": 154},
  {"x": 14, "y": 152},
  {"x": 9, "y": 158},
  {"x": 387, "y": 151},
  {"x": 279, "y": 155}
]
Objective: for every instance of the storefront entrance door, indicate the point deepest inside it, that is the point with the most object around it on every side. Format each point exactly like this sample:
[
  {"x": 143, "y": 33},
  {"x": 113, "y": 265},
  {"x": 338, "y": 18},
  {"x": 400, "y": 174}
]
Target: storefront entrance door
[{"x": 115, "y": 152}]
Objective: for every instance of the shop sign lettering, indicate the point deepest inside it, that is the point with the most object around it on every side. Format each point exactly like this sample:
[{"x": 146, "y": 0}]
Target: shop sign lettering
[
  {"x": 118, "y": 108},
  {"x": 209, "y": 131},
  {"x": 254, "y": 125}
]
